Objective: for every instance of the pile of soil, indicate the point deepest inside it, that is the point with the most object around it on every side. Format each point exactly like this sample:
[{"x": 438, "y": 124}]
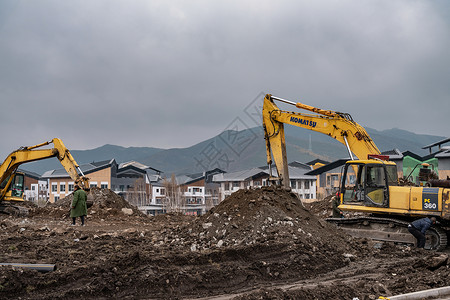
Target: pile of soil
[
  {"x": 272, "y": 216},
  {"x": 322, "y": 208},
  {"x": 257, "y": 244},
  {"x": 102, "y": 203}
]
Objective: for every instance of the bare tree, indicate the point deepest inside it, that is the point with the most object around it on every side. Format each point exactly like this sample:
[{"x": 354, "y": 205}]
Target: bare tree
[
  {"x": 137, "y": 195},
  {"x": 172, "y": 201}
]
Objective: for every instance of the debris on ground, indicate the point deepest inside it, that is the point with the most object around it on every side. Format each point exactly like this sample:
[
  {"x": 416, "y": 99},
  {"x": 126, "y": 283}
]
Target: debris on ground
[{"x": 256, "y": 244}]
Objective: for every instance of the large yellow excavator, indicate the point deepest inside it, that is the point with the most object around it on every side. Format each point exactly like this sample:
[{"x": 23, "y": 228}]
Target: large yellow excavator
[
  {"x": 369, "y": 182},
  {"x": 12, "y": 182}
]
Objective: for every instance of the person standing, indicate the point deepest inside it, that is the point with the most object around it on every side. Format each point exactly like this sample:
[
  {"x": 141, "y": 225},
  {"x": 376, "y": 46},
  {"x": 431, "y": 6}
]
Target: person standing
[
  {"x": 419, "y": 227},
  {"x": 79, "y": 207},
  {"x": 337, "y": 213}
]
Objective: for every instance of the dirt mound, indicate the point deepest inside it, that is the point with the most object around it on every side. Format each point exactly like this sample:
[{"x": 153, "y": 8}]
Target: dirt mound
[
  {"x": 257, "y": 244},
  {"x": 321, "y": 208},
  {"x": 102, "y": 203},
  {"x": 271, "y": 217},
  {"x": 252, "y": 216}
]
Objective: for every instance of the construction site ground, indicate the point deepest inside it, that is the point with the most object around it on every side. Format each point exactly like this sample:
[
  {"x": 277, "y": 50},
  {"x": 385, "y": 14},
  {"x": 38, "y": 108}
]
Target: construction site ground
[{"x": 256, "y": 244}]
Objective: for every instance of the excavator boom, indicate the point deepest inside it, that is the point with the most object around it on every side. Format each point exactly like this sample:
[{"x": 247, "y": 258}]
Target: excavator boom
[
  {"x": 339, "y": 126},
  {"x": 29, "y": 154}
]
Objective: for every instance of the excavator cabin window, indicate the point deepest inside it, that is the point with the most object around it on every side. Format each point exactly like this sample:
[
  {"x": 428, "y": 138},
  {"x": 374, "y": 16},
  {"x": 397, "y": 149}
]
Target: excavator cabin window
[{"x": 370, "y": 187}]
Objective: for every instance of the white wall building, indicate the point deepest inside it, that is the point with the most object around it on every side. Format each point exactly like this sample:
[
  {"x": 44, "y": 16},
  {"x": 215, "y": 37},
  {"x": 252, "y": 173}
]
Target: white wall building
[{"x": 303, "y": 185}]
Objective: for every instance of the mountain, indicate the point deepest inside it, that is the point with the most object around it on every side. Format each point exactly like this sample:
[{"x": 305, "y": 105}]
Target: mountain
[
  {"x": 237, "y": 150},
  {"x": 106, "y": 152}
]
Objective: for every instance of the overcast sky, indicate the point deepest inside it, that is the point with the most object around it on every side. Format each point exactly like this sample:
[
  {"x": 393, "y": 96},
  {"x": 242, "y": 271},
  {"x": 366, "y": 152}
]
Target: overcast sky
[{"x": 174, "y": 73}]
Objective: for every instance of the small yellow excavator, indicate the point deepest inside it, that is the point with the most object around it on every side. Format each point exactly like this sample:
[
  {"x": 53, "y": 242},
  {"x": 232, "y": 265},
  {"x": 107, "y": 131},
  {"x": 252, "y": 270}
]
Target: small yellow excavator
[
  {"x": 369, "y": 182},
  {"x": 12, "y": 182}
]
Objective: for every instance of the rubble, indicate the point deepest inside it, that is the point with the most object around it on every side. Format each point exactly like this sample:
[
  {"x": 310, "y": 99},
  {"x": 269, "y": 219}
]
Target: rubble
[{"x": 257, "y": 244}]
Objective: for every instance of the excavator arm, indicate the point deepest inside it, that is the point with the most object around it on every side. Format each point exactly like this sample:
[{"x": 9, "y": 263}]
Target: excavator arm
[
  {"x": 339, "y": 126},
  {"x": 29, "y": 154}
]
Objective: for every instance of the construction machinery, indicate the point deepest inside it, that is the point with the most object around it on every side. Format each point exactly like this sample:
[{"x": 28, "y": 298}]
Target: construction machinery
[
  {"x": 12, "y": 181},
  {"x": 369, "y": 181}
]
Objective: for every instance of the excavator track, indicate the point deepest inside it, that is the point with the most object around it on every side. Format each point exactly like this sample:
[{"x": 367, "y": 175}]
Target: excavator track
[{"x": 389, "y": 230}]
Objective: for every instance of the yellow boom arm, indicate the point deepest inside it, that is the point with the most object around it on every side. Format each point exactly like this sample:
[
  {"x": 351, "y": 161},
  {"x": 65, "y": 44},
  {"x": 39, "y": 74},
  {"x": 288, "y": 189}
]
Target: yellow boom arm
[
  {"x": 339, "y": 126},
  {"x": 29, "y": 154}
]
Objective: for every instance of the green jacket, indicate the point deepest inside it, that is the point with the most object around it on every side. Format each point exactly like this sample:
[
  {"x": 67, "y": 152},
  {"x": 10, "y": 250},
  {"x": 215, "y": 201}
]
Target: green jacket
[
  {"x": 337, "y": 213},
  {"x": 79, "y": 207}
]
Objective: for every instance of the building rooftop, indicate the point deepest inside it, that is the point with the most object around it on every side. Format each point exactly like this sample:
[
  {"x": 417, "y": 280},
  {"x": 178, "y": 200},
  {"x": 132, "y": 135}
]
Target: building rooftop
[
  {"x": 85, "y": 168},
  {"x": 294, "y": 173},
  {"x": 437, "y": 144}
]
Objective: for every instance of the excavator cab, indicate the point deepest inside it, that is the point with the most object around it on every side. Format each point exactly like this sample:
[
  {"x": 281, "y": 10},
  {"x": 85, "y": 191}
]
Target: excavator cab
[
  {"x": 16, "y": 188},
  {"x": 366, "y": 183}
]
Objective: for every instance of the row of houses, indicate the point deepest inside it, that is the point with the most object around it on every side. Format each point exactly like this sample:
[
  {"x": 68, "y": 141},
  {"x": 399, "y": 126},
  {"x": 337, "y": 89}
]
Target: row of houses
[
  {"x": 155, "y": 194},
  {"x": 195, "y": 194}
]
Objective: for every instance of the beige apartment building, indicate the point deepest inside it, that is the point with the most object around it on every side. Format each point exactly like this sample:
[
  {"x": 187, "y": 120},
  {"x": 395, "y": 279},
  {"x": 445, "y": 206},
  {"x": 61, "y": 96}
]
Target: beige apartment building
[{"x": 100, "y": 175}]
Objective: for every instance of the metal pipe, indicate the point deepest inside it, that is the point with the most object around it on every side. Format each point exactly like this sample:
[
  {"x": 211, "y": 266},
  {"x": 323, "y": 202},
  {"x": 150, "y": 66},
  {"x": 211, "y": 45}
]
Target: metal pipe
[
  {"x": 348, "y": 148},
  {"x": 81, "y": 172},
  {"x": 38, "y": 267},
  {"x": 284, "y": 100}
]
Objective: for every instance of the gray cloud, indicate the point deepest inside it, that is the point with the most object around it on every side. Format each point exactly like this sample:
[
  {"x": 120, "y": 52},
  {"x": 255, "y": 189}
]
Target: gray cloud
[{"x": 173, "y": 73}]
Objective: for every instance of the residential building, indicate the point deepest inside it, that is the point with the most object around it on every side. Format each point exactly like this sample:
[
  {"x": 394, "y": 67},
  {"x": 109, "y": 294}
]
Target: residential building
[
  {"x": 444, "y": 164},
  {"x": 101, "y": 174},
  {"x": 328, "y": 177},
  {"x": 32, "y": 186},
  {"x": 234, "y": 181},
  {"x": 443, "y": 157},
  {"x": 302, "y": 184},
  {"x": 199, "y": 193},
  {"x": 127, "y": 181}
]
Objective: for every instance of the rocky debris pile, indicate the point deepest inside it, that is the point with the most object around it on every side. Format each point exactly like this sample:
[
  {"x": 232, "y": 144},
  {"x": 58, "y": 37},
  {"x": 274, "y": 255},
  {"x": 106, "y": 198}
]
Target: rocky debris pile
[
  {"x": 102, "y": 203},
  {"x": 253, "y": 239},
  {"x": 258, "y": 221},
  {"x": 321, "y": 208},
  {"x": 263, "y": 215}
]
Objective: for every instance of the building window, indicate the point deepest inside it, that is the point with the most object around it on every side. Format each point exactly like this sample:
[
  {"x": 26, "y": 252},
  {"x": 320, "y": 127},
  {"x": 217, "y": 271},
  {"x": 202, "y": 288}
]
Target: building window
[
  {"x": 33, "y": 188},
  {"x": 54, "y": 188},
  {"x": 293, "y": 184},
  {"x": 306, "y": 185},
  {"x": 104, "y": 186},
  {"x": 56, "y": 198},
  {"x": 93, "y": 185},
  {"x": 235, "y": 184},
  {"x": 306, "y": 196},
  {"x": 334, "y": 179},
  {"x": 62, "y": 187},
  {"x": 163, "y": 191},
  {"x": 227, "y": 186},
  {"x": 71, "y": 187}
]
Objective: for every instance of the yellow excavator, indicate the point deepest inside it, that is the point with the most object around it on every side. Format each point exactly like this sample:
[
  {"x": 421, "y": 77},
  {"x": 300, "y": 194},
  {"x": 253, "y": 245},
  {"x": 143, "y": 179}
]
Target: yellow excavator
[
  {"x": 12, "y": 181},
  {"x": 369, "y": 181}
]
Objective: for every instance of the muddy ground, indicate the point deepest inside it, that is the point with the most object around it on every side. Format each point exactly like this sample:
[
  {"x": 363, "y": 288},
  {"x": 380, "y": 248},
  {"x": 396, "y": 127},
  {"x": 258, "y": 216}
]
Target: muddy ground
[{"x": 257, "y": 244}]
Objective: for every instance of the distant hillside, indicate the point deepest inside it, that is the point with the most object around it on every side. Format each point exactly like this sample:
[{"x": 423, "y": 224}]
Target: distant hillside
[
  {"x": 231, "y": 150},
  {"x": 121, "y": 154}
]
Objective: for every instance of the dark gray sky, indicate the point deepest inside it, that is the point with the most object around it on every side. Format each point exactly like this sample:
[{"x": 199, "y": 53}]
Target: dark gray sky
[{"x": 173, "y": 73}]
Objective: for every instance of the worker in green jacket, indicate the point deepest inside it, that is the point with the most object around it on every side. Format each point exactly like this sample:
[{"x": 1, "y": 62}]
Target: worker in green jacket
[
  {"x": 79, "y": 208},
  {"x": 337, "y": 213}
]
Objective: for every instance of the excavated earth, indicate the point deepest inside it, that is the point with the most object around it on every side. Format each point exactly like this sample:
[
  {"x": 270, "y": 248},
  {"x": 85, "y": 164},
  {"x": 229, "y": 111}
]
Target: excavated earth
[{"x": 257, "y": 244}]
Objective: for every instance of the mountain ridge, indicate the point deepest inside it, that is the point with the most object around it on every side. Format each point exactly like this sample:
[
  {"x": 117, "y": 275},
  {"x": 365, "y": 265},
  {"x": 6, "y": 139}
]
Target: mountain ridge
[{"x": 237, "y": 150}]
